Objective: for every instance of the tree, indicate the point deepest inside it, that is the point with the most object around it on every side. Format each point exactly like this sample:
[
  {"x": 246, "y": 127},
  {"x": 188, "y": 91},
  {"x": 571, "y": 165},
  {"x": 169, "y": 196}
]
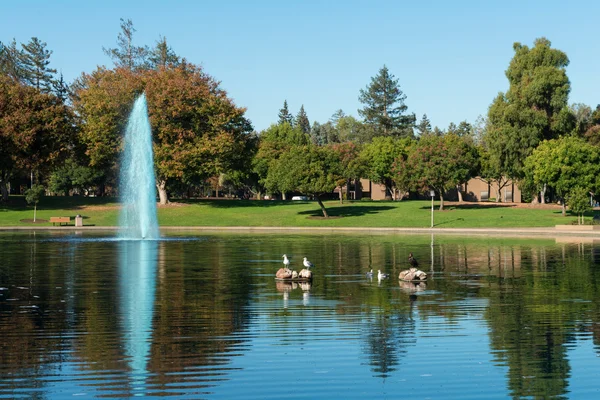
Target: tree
[
  {"x": 73, "y": 176},
  {"x": 378, "y": 158},
  {"x": 309, "y": 169},
  {"x": 350, "y": 164},
  {"x": 162, "y": 55},
  {"x": 424, "y": 126},
  {"x": 10, "y": 61},
  {"x": 302, "y": 120},
  {"x": 349, "y": 129},
  {"x": 36, "y": 131},
  {"x": 323, "y": 134},
  {"x": 126, "y": 55},
  {"x": 35, "y": 61},
  {"x": 579, "y": 203},
  {"x": 384, "y": 106},
  {"x": 564, "y": 164},
  {"x": 491, "y": 171},
  {"x": 285, "y": 116},
  {"x": 198, "y": 131},
  {"x": 463, "y": 129},
  {"x": 439, "y": 163},
  {"x": 273, "y": 142},
  {"x": 533, "y": 109},
  {"x": 583, "y": 117},
  {"x": 33, "y": 196},
  {"x": 103, "y": 100}
]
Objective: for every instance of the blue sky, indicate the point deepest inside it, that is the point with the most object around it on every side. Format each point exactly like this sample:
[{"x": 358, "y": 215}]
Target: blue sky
[{"x": 449, "y": 56}]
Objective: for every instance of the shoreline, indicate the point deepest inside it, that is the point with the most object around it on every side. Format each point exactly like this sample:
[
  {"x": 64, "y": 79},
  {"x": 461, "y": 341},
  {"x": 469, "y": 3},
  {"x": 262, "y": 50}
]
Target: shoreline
[{"x": 557, "y": 231}]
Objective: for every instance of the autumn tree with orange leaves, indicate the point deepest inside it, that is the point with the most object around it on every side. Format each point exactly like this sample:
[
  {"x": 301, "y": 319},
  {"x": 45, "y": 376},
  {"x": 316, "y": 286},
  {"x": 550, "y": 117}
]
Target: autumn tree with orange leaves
[{"x": 197, "y": 131}]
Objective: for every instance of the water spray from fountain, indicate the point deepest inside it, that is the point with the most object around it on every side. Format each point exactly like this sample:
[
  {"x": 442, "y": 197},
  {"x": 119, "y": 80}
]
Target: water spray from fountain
[{"x": 137, "y": 185}]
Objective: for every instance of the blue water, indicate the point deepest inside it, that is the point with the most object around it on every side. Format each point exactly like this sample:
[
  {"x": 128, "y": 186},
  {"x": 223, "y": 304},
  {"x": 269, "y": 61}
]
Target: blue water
[
  {"x": 202, "y": 317},
  {"x": 137, "y": 184}
]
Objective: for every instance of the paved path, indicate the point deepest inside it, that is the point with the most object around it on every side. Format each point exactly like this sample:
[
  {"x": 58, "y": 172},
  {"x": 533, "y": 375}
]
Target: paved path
[{"x": 561, "y": 231}]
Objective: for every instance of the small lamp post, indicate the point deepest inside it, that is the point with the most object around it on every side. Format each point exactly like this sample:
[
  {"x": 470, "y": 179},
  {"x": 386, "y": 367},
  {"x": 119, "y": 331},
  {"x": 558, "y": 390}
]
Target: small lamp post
[{"x": 432, "y": 194}]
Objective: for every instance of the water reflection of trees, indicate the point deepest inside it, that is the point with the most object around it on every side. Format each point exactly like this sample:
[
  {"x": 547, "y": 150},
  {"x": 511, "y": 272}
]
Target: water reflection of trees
[{"x": 541, "y": 297}]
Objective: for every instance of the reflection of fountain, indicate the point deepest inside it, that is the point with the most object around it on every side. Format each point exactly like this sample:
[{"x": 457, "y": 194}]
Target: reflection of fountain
[
  {"x": 137, "y": 287},
  {"x": 137, "y": 188}
]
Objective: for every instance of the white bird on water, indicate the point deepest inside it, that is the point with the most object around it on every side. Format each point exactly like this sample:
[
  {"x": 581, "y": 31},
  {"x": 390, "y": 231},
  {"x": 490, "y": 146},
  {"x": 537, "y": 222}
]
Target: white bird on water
[
  {"x": 286, "y": 262},
  {"x": 381, "y": 275},
  {"x": 307, "y": 263},
  {"x": 370, "y": 274}
]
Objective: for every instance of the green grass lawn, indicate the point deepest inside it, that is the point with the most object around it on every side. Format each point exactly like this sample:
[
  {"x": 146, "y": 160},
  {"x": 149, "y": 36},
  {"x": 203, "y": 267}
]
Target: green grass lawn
[{"x": 104, "y": 212}]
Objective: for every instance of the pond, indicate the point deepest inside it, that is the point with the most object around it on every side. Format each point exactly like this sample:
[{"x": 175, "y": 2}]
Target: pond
[{"x": 202, "y": 317}]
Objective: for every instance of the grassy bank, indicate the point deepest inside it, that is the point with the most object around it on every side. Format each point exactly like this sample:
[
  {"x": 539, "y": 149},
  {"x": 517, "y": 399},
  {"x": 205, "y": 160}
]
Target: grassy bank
[{"x": 104, "y": 212}]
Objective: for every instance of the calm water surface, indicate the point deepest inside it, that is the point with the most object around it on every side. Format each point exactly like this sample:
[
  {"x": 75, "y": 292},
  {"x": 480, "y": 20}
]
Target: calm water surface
[{"x": 201, "y": 317}]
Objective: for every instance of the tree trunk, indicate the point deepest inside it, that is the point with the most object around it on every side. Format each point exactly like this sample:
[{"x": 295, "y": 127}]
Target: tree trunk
[
  {"x": 283, "y": 196},
  {"x": 564, "y": 208},
  {"x": 459, "y": 191},
  {"x": 543, "y": 194},
  {"x": 34, "y": 211},
  {"x": 341, "y": 195},
  {"x": 162, "y": 191},
  {"x": 348, "y": 189},
  {"x": 441, "y": 201},
  {"x": 357, "y": 190},
  {"x": 388, "y": 189},
  {"x": 4, "y": 190},
  {"x": 322, "y": 207}
]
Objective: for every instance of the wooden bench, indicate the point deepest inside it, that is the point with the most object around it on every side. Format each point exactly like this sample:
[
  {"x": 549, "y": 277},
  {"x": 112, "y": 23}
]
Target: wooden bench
[{"x": 60, "y": 220}]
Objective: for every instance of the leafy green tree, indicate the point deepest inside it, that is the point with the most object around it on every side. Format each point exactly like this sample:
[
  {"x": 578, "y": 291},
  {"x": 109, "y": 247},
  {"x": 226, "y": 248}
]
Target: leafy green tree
[
  {"x": 73, "y": 176},
  {"x": 439, "y": 163},
  {"x": 579, "y": 203},
  {"x": 424, "y": 126},
  {"x": 564, "y": 164},
  {"x": 285, "y": 116},
  {"x": 533, "y": 109},
  {"x": 491, "y": 171},
  {"x": 33, "y": 195},
  {"x": 350, "y": 165},
  {"x": 126, "y": 55},
  {"x": 302, "y": 120},
  {"x": 384, "y": 106},
  {"x": 583, "y": 117},
  {"x": 463, "y": 129},
  {"x": 36, "y": 131},
  {"x": 162, "y": 55},
  {"x": 323, "y": 134},
  {"x": 378, "y": 158},
  {"x": 309, "y": 169},
  {"x": 272, "y": 143},
  {"x": 35, "y": 65},
  {"x": 349, "y": 129}
]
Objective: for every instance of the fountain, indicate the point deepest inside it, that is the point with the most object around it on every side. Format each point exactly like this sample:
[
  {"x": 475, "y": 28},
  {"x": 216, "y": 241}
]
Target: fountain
[{"x": 137, "y": 186}]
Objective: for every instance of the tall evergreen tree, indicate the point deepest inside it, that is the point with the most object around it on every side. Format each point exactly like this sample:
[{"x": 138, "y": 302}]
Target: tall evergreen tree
[
  {"x": 284, "y": 115},
  {"x": 10, "y": 61},
  {"x": 384, "y": 106},
  {"x": 424, "y": 126},
  {"x": 61, "y": 88},
  {"x": 126, "y": 55},
  {"x": 162, "y": 55},
  {"x": 302, "y": 120},
  {"x": 35, "y": 62},
  {"x": 533, "y": 109}
]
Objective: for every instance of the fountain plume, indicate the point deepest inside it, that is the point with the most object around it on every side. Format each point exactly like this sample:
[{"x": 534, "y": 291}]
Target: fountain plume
[{"x": 137, "y": 184}]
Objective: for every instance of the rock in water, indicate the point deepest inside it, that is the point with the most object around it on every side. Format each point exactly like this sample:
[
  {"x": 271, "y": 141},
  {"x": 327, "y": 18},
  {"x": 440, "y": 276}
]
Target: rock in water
[{"x": 412, "y": 274}]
